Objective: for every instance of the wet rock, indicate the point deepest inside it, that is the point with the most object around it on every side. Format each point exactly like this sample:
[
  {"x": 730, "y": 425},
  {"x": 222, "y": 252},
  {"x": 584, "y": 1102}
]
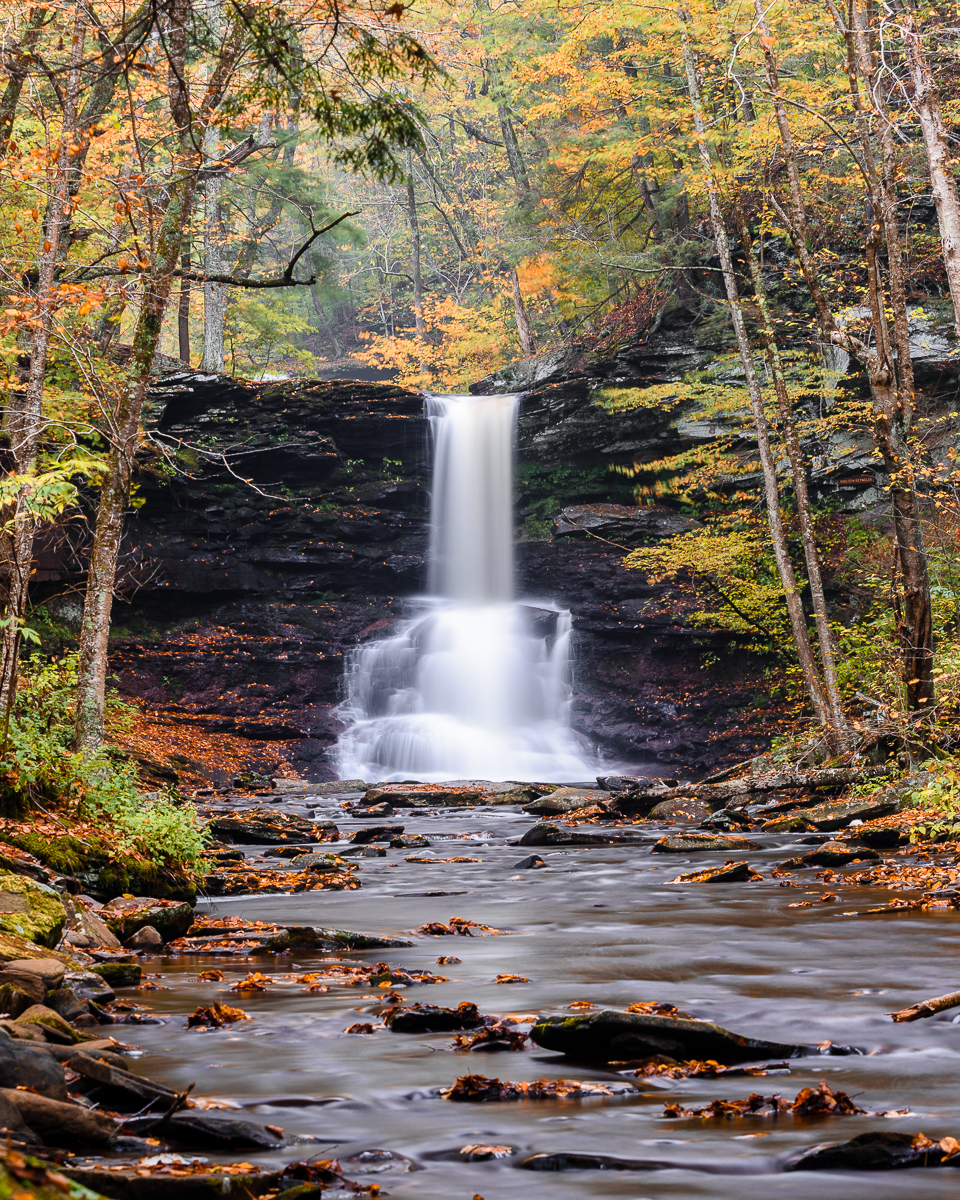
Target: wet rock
[
  {"x": 52, "y": 1025},
  {"x": 409, "y": 841},
  {"x": 832, "y": 854},
  {"x": 146, "y": 938},
  {"x": 366, "y": 852},
  {"x": 432, "y": 1018},
  {"x": 139, "y": 1183},
  {"x": 682, "y": 810},
  {"x": 727, "y": 820},
  {"x": 119, "y": 1088},
  {"x": 67, "y": 1003},
  {"x": 561, "y": 801},
  {"x": 18, "y": 990},
  {"x": 531, "y": 863},
  {"x": 59, "y": 1123},
  {"x": 313, "y": 937},
  {"x": 27, "y": 1066},
  {"x": 879, "y": 1150},
  {"x": 95, "y": 931},
  {"x": 701, "y": 843},
  {"x": 787, "y": 824},
  {"x": 548, "y": 833},
  {"x": 125, "y": 917},
  {"x": 286, "y": 852},
  {"x": 12, "y": 1123},
  {"x": 620, "y": 783},
  {"x": 376, "y": 833},
  {"x": 609, "y": 1034},
  {"x": 31, "y": 909},
  {"x": 266, "y": 826},
  {"x": 319, "y": 862},
  {"x": 883, "y": 837},
  {"x": 89, "y": 986},
  {"x": 839, "y": 814},
  {"x": 730, "y": 872},
  {"x": 567, "y": 1161},
  {"x": 49, "y": 970},
  {"x": 207, "y": 1131},
  {"x": 380, "y": 810},
  {"x": 119, "y": 974}
]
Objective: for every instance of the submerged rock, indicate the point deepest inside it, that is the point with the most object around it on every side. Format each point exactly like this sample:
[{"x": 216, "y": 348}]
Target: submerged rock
[
  {"x": 730, "y": 872},
  {"x": 699, "y": 843},
  {"x": 532, "y": 862},
  {"x": 409, "y": 841},
  {"x": 376, "y": 833},
  {"x": 832, "y": 854},
  {"x": 119, "y": 974},
  {"x": 610, "y": 1034},
  {"x": 879, "y": 1150},
  {"x": 571, "y": 1161},
  {"x": 432, "y": 1018},
  {"x": 207, "y": 1131}
]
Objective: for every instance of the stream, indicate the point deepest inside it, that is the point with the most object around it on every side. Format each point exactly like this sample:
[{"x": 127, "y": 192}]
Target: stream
[{"x": 599, "y": 924}]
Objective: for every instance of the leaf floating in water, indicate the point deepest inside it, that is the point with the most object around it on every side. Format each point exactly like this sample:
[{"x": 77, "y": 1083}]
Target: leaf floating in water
[
  {"x": 447, "y": 960},
  {"x": 359, "y": 1027},
  {"x": 819, "y": 1101},
  {"x": 512, "y": 979},
  {"x": 457, "y": 925},
  {"x": 658, "y": 1008},
  {"x": 660, "y": 1065},
  {"x": 479, "y": 1089},
  {"x": 212, "y": 976},
  {"x": 254, "y": 982},
  {"x": 481, "y": 1152},
  {"x": 497, "y": 1036}
]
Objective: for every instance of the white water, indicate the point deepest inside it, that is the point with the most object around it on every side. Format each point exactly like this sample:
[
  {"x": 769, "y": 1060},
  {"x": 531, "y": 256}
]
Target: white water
[{"x": 474, "y": 685}]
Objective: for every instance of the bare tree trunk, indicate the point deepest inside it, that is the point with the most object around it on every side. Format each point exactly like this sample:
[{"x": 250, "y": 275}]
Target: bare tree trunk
[
  {"x": 17, "y": 67},
  {"x": 414, "y": 248},
  {"x": 791, "y": 441},
  {"x": 183, "y": 311},
  {"x": 214, "y": 294},
  {"x": 791, "y": 592},
  {"x": 937, "y": 144},
  {"x": 527, "y": 344},
  {"x": 25, "y": 416},
  {"x": 892, "y": 405}
]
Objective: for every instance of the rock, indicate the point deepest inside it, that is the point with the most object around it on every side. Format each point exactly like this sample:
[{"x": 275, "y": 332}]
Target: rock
[
  {"x": 105, "y": 1048},
  {"x": 731, "y": 872},
  {"x": 313, "y": 937},
  {"x": 12, "y": 1123},
  {"x": 52, "y": 1025},
  {"x": 681, "y": 809},
  {"x": 547, "y": 833},
  {"x": 286, "y": 852},
  {"x": 832, "y": 854},
  {"x": 838, "y": 814},
  {"x": 119, "y": 974},
  {"x": 531, "y": 863},
  {"x": 620, "y": 783},
  {"x": 609, "y": 1034},
  {"x": 170, "y": 918},
  {"x": 561, "y": 801},
  {"x": 380, "y": 810},
  {"x": 366, "y": 852},
  {"x": 726, "y": 820},
  {"x": 431, "y": 1018},
  {"x": 146, "y": 938},
  {"x": 31, "y": 909},
  {"x": 879, "y": 1150},
  {"x": 567, "y": 1161},
  {"x": 90, "y": 986},
  {"x": 97, "y": 931},
  {"x": 61, "y": 1124},
  {"x": 409, "y": 841},
  {"x": 266, "y": 826},
  {"x": 120, "y": 1089},
  {"x": 422, "y": 796},
  {"x": 26, "y": 1066},
  {"x": 620, "y": 523},
  {"x": 702, "y": 843},
  {"x": 319, "y": 862},
  {"x": 208, "y": 1131},
  {"x": 138, "y": 1183},
  {"x": 884, "y": 837},
  {"x": 18, "y": 990},
  {"x": 49, "y": 970},
  {"x": 67, "y": 1003},
  {"x": 376, "y": 833},
  {"x": 24, "y": 1033},
  {"x": 787, "y": 824}
]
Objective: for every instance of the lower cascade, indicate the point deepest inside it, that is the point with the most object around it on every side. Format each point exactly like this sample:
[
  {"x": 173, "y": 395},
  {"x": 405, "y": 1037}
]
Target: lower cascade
[{"x": 474, "y": 684}]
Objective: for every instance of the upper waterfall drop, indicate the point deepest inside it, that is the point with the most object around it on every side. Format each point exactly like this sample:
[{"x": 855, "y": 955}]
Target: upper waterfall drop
[{"x": 474, "y": 685}]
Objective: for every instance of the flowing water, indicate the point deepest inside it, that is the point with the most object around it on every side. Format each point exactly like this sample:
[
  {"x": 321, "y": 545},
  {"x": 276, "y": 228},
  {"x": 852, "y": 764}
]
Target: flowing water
[
  {"x": 598, "y": 924},
  {"x": 473, "y": 684}
]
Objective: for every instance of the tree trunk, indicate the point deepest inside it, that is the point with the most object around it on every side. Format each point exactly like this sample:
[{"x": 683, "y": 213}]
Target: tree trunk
[
  {"x": 183, "y": 311},
  {"x": 791, "y": 441},
  {"x": 415, "y": 265},
  {"x": 25, "y": 415},
  {"x": 17, "y": 67},
  {"x": 791, "y": 592},
  {"x": 527, "y": 344},
  {"x": 214, "y": 294},
  {"x": 937, "y": 144}
]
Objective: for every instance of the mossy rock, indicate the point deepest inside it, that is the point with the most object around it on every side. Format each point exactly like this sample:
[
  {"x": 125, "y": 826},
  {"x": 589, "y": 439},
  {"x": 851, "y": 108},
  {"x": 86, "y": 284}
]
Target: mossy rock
[
  {"x": 13, "y": 947},
  {"x": 119, "y": 974},
  {"x": 31, "y": 910},
  {"x": 102, "y": 870},
  {"x": 21, "y": 1177}
]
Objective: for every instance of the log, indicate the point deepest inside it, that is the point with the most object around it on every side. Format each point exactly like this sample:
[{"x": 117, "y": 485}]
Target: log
[{"x": 927, "y": 1008}]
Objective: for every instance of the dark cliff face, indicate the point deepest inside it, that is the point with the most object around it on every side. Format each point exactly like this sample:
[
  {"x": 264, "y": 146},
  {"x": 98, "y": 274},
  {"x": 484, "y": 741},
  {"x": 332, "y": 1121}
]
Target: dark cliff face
[{"x": 284, "y": 523}]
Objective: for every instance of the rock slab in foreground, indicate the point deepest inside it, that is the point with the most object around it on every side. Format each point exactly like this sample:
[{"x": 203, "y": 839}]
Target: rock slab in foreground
[
  {"x": 30, "y": 910},
  {"x": 838, "y": 815},
  {"x": 548, "y": 833},
  {"x": 142, "y": 1185},
  {"x": 609, "y": 1035}
]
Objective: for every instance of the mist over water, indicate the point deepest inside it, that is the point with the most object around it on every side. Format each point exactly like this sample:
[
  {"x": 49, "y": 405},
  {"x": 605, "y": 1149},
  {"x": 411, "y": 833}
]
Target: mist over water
[{"x": 473, "y": 684}]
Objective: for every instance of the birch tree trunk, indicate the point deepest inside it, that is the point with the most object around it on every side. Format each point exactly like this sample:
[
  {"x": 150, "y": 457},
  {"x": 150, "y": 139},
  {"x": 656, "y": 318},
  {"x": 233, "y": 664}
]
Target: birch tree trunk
[
  {"x": 214, "y": 294},
  {"x": 527, "y": 343},
  {"x": 937, "y": 145},
  {"x": 415, "y": 264},
  {"x": 798, "y": 625}
]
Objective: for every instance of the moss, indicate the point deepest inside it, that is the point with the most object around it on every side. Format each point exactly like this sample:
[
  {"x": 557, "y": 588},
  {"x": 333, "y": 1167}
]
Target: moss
[
  {"x": 102, "y": 870},
  {"x": 119, "y": 974},
  {"x": 30, "y": 910},
  {"x": 22, "y": 1177}
]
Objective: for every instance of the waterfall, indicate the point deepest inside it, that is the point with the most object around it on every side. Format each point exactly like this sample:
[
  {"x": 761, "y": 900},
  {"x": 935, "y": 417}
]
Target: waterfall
[{"x": 472, "y": 685}]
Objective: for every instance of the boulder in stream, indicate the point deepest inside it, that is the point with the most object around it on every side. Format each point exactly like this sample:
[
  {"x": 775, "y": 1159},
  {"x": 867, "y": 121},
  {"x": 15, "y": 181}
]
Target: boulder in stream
[
  {"x": 432, "y": 1018},
  {"x": 376, "y": 833},
  {"x": 30, "y": 909},
  {"x": 125, "y": 916},
  {"x": 832, "y": 854},
  {"x": 261, "y": 825},
  {"x": 609, "y": 1034},
  {"x": 701, "y": 843},
  {"x": 549, "y": 833},
  {"x": 878, "y": 1150},
  {"x": 195, "y": 1130},
  {"x": 681, "y": 809},
  {"x": 34, "y": 1067},
  {"x": 838, "y": 814},
  {"x": 564, "y": 800},
  {"x": 730, "y": 872}
]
